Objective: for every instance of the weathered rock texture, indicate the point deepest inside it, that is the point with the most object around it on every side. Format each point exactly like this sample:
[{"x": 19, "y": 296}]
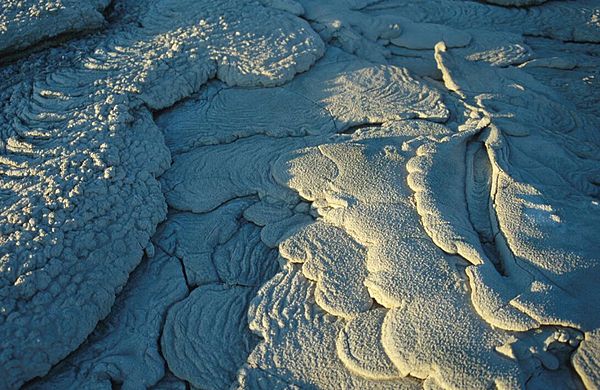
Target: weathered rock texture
[{"x": 300, "y": 194}]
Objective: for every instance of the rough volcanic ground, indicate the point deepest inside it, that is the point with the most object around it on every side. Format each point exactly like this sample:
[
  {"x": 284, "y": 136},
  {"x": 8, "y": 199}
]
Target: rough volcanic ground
[{"x": 299, "y": 194}]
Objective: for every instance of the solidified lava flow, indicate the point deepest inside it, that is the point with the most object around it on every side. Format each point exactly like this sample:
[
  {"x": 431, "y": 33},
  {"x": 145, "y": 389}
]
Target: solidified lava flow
[{"x": 276, "y": 194}]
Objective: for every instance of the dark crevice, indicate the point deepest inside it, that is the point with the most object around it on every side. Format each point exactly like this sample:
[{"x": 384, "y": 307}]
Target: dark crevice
[
  {"x": 562, "y": 41},
  {"x": 179, "y": 259},
  {"x": 109, "y": 11},
  {"x": 369, "y": 4},
  {"x": 503, "y": 248},
  {"x": 377, "y": 305},
  {"x": 183, "y": 270},
  {"x": 11, "y": 55},
  {"x": 501, "y": 242},
  {"x": 115, "y": 385},
  {"x": 167, "y": 309},
  {"x": 161, "y": 331},
  {"x": 355, "y": 128},
  {"x": 480, "y": 209}
]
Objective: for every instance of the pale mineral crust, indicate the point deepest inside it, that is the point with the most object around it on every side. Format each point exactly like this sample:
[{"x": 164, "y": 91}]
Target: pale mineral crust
[{"x": 299, "y": 194}]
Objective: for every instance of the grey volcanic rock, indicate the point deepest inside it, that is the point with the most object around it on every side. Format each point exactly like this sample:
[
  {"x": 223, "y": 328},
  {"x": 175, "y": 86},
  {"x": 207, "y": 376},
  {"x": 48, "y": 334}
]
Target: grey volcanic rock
[
  {"x": 206, "y": 337},
  {"x": 81, "y": 153},
  {"x": 124, "y": 345},
  {"x": 24, "y": 23},
  {"x": 299, "y": 194}
]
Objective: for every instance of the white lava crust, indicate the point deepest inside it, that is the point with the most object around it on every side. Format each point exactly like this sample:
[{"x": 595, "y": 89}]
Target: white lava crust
[{"x": 290, "y": 194}]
